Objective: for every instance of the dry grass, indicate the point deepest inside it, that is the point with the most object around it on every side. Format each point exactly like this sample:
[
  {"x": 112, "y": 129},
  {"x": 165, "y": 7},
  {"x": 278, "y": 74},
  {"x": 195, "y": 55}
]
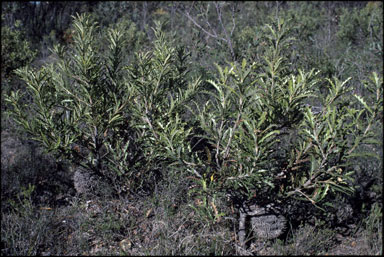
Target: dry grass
[
  {"x": 161, "y": 224},
  {"x": 122, "y": 227}
]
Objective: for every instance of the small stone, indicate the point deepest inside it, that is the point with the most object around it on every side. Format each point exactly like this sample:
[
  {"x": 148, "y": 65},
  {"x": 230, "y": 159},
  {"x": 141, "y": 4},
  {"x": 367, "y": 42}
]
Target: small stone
[{"x": 125, "y": 244}]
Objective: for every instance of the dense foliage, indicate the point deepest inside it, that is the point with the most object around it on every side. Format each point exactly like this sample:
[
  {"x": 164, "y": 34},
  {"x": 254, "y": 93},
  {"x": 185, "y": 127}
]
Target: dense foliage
[
  {"x": 268, "y": 143},
  {"x": 262, "y": 137},
  {"x": 97, "y": 113},
  {"x": 285, "y": 108},
  {"x": 15, "y": 51}
]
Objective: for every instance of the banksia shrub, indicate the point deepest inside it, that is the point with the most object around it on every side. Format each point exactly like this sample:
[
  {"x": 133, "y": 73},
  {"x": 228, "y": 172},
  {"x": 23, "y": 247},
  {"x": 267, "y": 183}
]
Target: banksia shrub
[
  {"x": 273, "y": 137},
  {"x": 266, "y": 134},
  {"x": 119, "y": 122}
]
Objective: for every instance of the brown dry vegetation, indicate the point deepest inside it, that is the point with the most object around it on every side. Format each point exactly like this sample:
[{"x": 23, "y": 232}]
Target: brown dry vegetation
[{"x": 52, "y": 223}]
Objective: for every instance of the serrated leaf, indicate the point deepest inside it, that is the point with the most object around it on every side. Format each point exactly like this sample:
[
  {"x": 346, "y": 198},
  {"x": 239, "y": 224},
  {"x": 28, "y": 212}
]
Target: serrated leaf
[
  {"x": 361, "y": 100},
  {"x": 324, "y": 193}
]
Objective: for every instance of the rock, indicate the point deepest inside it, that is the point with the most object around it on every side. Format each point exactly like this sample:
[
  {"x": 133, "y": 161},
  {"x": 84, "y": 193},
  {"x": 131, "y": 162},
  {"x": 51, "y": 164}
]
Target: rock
[
  {"x": 268, "y": 226},
  {"x": 265, "y": 222},
  {"x": 83, "y": 181},
  {"x": 86, "y": 182},
  {"x": 344, "y": 213}
]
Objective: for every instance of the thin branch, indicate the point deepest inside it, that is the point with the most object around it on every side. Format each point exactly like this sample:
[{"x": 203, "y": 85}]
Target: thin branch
[
  {"x": 209, "y": 24},
  {"x": 229, "y": 42},
  {"x": 187, "y": 14},
  {"x": 233, "y": 19},
  {"x": 200, "y": 27},
  {"x": 226, "y": 152}
]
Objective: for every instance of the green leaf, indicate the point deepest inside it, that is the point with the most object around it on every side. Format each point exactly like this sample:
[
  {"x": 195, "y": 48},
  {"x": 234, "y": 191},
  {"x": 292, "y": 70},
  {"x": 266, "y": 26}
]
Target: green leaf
[
  {"x": 116, "y": 117},
  {"x": 268, "y": 135},
  {"x": 324, "y": 192},
  {"x": 57, "y": 144},
  {"x": 361, "y": 100}
]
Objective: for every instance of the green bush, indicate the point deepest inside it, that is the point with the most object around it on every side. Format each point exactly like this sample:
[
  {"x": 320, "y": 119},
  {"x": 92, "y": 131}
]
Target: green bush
[
  {"x": 266, "y": 143},
  {"x": 362, "y": 25},
  {"x": 15, "y": 50},
  {"x": 261, "y": 138},
  {"x": 358, "y": 44},
  {"x": 122, "y": 123}
]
